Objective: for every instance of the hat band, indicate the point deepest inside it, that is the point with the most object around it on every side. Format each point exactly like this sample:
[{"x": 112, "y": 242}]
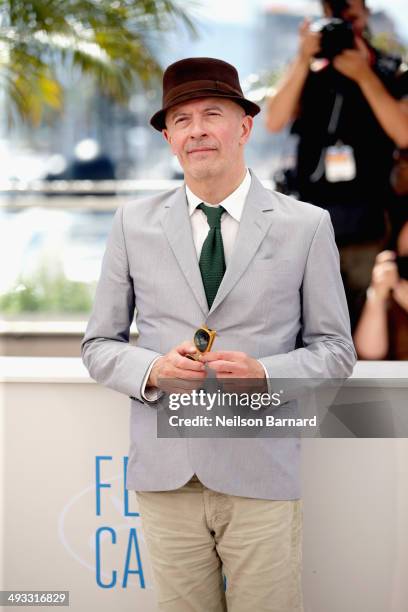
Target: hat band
[{"x": 203, "y": 85}]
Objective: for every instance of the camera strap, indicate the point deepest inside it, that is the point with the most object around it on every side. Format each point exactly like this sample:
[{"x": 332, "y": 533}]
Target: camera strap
[
  {"x": 337, "y": 161},
  {"x": 320, "y": 169},
  {"x": 335, "y": 116}
]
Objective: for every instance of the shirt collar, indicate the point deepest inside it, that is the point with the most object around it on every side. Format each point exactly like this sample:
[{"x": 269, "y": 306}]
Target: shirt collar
[{"x": 233, "y": 204}]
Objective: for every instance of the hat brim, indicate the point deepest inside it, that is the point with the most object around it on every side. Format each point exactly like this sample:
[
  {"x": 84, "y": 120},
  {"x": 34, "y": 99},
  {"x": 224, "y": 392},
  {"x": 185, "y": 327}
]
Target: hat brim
[{"x": 158, "y": 119}]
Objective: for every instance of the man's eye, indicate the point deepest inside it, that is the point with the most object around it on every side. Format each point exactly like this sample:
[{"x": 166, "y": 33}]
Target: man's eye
[{"x": 180, "y": 119}]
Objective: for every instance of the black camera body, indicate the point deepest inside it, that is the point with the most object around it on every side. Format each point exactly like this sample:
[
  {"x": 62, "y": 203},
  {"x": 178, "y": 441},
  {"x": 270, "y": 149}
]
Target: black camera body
[
  {"x": 402, "y": 263},
  {"x": 336, "y": 36}
]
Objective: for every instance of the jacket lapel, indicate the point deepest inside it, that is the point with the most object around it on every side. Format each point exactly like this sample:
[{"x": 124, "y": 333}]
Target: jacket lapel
[
  {"x": 254, "y": 225},
  {"x": 255, "y": 222},
  {"x": 177, "y": 227}
]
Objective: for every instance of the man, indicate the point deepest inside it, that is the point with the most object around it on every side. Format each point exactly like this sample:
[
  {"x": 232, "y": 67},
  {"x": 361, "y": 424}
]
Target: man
[
  {"x": 348, "y": 115},
  {"x": 216, "y": 505}
]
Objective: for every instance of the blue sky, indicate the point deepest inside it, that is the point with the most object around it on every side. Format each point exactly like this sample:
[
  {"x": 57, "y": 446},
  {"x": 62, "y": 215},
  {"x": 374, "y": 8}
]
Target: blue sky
[{"x": 244, "y": 10}]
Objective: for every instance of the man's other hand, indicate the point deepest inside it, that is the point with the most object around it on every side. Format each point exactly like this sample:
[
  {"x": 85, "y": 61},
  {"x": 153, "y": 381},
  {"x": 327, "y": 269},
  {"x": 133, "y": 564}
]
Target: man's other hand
[{"x": 233, "y": 364}]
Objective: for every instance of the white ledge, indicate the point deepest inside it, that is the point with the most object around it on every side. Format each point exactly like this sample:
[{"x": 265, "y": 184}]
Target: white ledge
[
  {"x": 72, "y": 370},
  {"x": 43, "y": 370},
  {"x": 46, "y": 328}
]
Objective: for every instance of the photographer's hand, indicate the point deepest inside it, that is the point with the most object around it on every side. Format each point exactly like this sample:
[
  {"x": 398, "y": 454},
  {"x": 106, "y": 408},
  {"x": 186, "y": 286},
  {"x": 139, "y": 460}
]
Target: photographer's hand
[
  {"x": 384, "y": 277},
  {"x": 371, "y": 334},
  {"x": 354, "y": 63},
  {"x": 283, "y": 104},
  {"x": 391, "y": 114},
  {"x": 309, "y": 42}
]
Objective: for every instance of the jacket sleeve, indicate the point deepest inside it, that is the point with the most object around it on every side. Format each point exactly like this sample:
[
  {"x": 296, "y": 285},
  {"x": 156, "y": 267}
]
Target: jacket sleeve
[
  {"x": 105, "y": 348},
  {"x": 328, "y": 350}
]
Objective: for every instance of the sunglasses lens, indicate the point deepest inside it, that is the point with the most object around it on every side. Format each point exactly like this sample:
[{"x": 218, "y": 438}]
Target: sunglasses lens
[{"x": 201, "y": 340}]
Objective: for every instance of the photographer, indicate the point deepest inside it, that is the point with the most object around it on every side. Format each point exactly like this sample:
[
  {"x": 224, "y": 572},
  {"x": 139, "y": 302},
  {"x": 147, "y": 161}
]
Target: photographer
[
  {"x": 382, "y": 332},
  {"x": 349, "y": 114}
]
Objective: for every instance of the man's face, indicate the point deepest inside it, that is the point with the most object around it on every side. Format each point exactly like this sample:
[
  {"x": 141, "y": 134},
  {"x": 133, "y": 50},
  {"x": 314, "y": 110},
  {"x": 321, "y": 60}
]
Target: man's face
[
  {"x": 356, "y": 13},
  {"x": 207, "y": 135}
]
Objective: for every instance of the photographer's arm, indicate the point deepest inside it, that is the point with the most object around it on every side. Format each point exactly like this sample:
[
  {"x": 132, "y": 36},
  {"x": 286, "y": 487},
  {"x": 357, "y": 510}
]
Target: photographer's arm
[
  {"x": 392, "y": 114},
  {"x": 371, "y": 335},
  {"x": 282, "y": 106}
]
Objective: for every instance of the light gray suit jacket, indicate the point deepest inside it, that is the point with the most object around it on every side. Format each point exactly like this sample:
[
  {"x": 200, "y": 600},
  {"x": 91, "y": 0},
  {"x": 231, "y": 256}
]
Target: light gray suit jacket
[{"x": 283, "y": 277}]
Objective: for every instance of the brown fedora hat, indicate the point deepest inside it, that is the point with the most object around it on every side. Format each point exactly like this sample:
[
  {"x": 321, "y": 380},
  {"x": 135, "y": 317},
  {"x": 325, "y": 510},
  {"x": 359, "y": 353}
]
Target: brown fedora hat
[{"x": 200, "y": 77}]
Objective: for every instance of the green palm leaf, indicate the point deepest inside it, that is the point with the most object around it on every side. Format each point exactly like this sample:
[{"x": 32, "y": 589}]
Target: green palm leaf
[{"x": 105, "y": 39}]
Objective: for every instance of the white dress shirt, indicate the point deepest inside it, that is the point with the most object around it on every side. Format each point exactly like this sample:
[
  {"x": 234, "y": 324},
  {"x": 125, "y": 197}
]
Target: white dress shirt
[{"x": 234, "y": 205}]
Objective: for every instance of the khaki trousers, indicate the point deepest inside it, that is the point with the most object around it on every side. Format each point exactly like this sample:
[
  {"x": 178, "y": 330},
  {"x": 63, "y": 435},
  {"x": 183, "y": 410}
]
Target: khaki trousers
[{"x": 194, "y": 535}]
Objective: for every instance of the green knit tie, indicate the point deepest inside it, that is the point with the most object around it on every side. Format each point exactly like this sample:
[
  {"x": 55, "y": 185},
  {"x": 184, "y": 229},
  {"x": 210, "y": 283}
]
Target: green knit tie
[{"x": 212, "y": 262}]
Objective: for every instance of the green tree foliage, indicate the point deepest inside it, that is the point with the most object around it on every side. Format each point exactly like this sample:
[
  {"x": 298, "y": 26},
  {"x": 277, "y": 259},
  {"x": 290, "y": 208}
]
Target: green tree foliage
[
  {"x": 390, "y": 44},
  {"x": 110, "y": 40},
  {"x": 44, "y": 293}
]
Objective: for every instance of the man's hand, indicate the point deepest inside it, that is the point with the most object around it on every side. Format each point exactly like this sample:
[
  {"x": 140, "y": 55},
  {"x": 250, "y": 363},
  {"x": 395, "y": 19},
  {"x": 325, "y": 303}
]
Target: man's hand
[
  {"x": 384, "y": 277},
  {"x": 233, "y": 364},
  {"x": 354, "y": 63},
  {"x": 309, "y": 43},
  {"x": 175, "y": 364}
]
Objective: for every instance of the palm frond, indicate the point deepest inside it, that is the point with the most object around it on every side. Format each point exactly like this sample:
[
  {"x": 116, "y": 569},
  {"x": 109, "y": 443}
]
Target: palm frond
[{"x": 103, "y": 39}]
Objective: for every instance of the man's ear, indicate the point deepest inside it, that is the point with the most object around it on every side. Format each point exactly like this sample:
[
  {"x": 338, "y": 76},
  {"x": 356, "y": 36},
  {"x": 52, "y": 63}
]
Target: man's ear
[
  {"x": 166, "y": 135},
  {"x": 167, "y": 138},
  {"x": 246, "y": 126}
]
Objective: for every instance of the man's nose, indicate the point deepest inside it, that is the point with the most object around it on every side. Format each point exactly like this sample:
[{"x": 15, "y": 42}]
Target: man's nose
[{"x": 197, "y": 127}]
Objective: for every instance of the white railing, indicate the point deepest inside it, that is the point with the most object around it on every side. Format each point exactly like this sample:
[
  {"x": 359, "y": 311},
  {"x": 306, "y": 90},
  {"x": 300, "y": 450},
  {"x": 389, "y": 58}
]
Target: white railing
[{"x": 99, "y": 195}]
